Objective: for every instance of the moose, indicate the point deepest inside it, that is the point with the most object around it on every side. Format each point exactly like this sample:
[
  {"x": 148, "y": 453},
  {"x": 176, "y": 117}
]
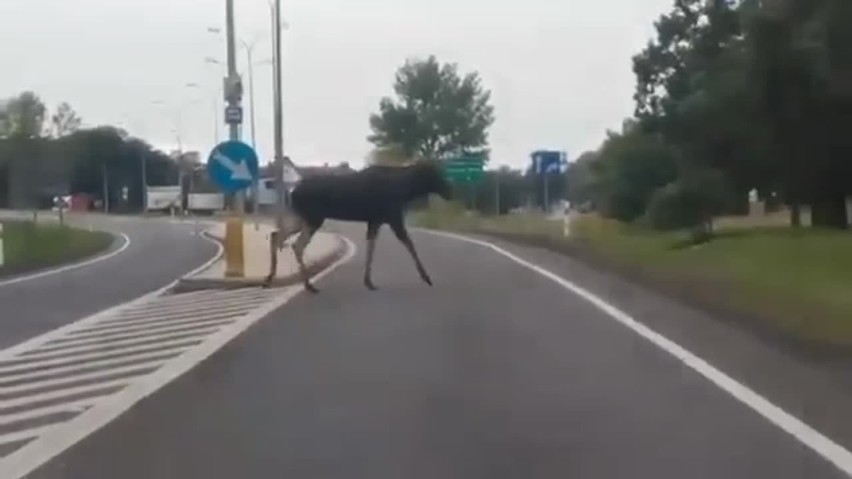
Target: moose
[{"x": 375, "y": 195}]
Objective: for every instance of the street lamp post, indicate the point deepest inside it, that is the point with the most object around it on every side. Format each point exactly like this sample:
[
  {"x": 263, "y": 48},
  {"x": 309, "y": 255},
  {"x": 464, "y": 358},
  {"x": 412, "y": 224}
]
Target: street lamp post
[{"x": 278, "y": 127}]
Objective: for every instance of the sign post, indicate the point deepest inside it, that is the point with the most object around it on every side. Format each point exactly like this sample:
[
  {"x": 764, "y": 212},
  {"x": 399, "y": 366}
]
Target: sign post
[{"x": 233, "y": 166}]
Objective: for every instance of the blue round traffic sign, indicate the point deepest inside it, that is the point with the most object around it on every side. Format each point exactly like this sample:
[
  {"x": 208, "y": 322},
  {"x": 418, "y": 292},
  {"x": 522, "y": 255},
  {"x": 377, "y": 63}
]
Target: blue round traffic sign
[{"x": 233, "y": 166}]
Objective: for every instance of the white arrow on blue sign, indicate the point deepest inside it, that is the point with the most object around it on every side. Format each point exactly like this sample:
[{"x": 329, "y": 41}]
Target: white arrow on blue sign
[{"x": 233, "y": 166}]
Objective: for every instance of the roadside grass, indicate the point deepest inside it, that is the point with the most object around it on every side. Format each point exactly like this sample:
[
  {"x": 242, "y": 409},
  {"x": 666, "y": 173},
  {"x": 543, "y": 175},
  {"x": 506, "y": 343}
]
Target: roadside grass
[
  {"x": 28, "y": 246},
  {"x": 795, "y": 281}
]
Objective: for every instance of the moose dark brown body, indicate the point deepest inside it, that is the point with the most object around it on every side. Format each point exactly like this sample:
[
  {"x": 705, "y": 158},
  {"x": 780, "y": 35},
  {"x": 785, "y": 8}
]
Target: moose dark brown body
[{"x": 376, "y": 195}]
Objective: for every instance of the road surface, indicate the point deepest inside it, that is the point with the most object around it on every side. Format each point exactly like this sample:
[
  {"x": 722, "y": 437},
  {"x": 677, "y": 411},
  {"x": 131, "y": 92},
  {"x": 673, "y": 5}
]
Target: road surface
[
  {"x": 496, "y": 372},
  {"x": 159, "y": 252}
]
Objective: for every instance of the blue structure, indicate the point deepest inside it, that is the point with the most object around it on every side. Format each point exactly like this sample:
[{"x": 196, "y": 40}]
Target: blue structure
[
  {"x": 549, "y": 162},
  {"x": 233, "y": 166}
]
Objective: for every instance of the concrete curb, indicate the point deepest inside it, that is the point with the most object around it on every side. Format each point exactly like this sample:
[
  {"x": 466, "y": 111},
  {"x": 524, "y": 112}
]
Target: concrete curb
[{"x": 189, "y": 284}]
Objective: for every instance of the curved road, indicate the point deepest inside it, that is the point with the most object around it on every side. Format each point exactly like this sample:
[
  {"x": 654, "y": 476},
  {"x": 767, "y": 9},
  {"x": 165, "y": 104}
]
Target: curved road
[
  {"x": 159, "y": 252},
  {"x": 496, "y": 372}
]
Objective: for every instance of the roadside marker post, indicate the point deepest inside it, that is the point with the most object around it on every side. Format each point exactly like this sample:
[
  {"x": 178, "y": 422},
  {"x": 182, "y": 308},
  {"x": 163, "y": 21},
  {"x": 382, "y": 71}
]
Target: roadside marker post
[{"x": 2, "y": 259}]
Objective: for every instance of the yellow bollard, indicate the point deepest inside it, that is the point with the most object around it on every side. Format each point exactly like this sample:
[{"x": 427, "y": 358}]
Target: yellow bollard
[{"x": 234, "y": 250}]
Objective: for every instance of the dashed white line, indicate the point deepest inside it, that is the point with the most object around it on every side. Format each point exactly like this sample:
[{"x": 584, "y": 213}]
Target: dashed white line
[{"x": 805, "y": 434}]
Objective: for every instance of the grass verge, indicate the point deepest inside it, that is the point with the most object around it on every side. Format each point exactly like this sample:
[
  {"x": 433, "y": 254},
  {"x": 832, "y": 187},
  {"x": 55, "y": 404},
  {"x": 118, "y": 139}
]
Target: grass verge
[
  {"x": 29, "y": 247},
  {"x": 796, "y": 283}
]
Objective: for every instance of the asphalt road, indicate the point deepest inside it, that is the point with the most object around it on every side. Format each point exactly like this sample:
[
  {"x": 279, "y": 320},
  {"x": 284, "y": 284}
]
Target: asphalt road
[
  {"x": 496, "y": 372},
  {"x": 158, "y": 253}
]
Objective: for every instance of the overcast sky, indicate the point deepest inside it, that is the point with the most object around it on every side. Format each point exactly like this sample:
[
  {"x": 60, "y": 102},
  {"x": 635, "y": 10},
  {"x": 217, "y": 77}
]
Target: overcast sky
[{"x": 559, "y": 70}]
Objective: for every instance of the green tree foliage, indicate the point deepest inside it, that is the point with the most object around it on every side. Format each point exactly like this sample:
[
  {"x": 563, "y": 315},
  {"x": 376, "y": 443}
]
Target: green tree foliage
[
  {"x": 759, "y": 92},
  {"x": 23, "y": 117},
  {"x": 435, "y": 112},
  {"x": 631, "y": 165},
  {"x": 76, "y": 160},
  {"x": 64, "y": 121}
]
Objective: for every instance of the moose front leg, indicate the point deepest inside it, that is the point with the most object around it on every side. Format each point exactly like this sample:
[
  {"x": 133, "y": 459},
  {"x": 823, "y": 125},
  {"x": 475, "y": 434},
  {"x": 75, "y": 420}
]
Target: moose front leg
[
  {"x": 401, "y": 233},
  {"x": 372, "y": 233}
]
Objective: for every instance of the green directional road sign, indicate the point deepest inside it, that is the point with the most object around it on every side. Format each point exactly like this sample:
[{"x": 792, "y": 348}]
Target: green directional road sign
[{"x": 464, "y": 169}]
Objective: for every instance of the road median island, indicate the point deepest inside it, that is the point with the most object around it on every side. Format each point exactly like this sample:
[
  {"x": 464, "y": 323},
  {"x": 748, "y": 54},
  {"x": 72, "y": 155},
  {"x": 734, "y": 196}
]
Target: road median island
[
  {"x": 29, "y": 246},
  {"x": 791, "y": 284},
  {"x": 322, "y": 252}
]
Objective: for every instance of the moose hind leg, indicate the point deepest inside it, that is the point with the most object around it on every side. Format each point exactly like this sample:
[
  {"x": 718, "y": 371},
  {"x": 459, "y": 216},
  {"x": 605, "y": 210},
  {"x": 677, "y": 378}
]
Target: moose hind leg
[
  {"x": 401, "y": 233},
  {"x": 276, "y": 243},
  {"x": 299, "y": 251},
  {"x": 273, "y": 258},
  {"x": 372, "y": 233}
]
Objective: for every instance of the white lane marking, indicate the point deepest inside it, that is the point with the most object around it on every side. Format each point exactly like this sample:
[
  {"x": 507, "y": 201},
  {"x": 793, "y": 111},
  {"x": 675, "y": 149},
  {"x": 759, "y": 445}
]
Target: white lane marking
[
  {"x": 22, "y": 435},
  {"x": 810, "y": 437},
  {"x": 127, "y": 371},
  {"x": 68, "y": 407},
  {"x": 60, "y": 351},
  {"x": 69, "y": 267},
  {"x": 144, "y": 324},
  {"x": 64, "y": 393},
  {"x": 123, "y": 353},
  {"x": 62, "y": 331},
  {"x": 151, "y": 332},
  {"x": 78, "y": 366},
  {"x": 186, "y": 310},
  {"x": 45, "y": 447},
  {"x": 115, "y": 332}
]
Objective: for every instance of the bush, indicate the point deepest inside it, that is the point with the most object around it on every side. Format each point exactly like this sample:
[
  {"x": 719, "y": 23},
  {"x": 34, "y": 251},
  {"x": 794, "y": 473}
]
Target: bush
[{"x": 690, "y": 202}]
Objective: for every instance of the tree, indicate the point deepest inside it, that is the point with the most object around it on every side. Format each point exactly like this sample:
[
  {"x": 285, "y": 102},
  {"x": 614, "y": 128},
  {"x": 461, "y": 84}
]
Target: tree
[
  {"x": 435, "y": 112},
  {"x": 65, "y": 121},
  {"x": 630, "y": 166},
  {"x": 24, "y": 116}
]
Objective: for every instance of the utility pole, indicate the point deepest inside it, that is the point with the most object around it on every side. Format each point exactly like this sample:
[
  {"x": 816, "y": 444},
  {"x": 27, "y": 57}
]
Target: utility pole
[
  {"x": 279, "y": 118},
  {"x": 234, "y": 91},
  {"x": 144, "y": 162},
  {"x": 254, "y": 185},
  {"x": 497, "y": 193},
  {"x": 234, "y": 248},
  {"x": 106, "y": 188}
]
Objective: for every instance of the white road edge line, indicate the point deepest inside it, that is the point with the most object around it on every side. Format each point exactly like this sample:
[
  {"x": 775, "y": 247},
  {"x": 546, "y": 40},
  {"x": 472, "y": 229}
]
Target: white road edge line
[
  {"x": 42, "y": 449},
  {"x": 37, "y": 341},
  {"x": 805, "y": 434},
  {"x": 72, "y": 266}
]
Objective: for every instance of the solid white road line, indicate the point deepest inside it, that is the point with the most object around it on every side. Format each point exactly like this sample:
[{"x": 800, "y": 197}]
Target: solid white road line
[
  {"x": 45, "y": 447},
  {"x": 805, "y": 434},
  {"x": 72, "y": 266}
]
